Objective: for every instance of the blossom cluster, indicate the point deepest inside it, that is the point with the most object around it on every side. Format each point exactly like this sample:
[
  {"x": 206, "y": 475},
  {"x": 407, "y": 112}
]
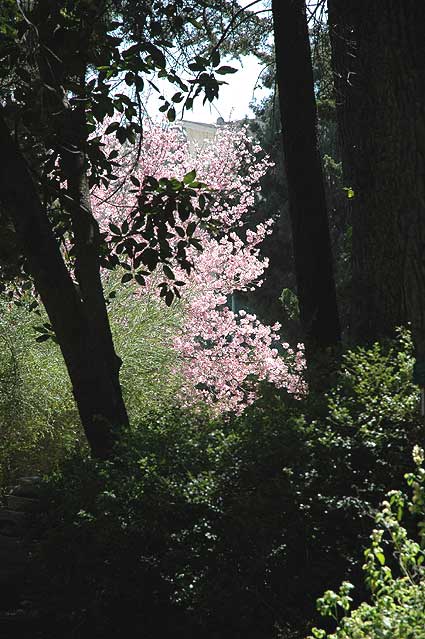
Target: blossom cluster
[{"x": 223, "y": 354}]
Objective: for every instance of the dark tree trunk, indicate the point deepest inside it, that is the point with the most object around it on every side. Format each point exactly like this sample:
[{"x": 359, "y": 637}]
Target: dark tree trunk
[
  {"x": 307, "y": 204},
  {"x": 69, "y": 123},
  {"x": 94, "y": 385},
  {"x": 379, "y": 63},
  {"x": 87, "y": 246}
]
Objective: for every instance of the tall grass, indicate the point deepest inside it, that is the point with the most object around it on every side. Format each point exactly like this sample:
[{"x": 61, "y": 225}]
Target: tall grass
[
  {"x": 143, "y": 328},
  {"x": 38, "y": 418},
  {"x": 39, "y": 422}
]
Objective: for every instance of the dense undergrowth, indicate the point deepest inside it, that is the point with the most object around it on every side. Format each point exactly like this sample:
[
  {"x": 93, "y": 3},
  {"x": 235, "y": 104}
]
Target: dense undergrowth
[
  {"x": 394, "y": 572},
  {"x": 38, "y": 417},
  {"x": 216, "y": 527},
  {"x": 228, "y": 528}
]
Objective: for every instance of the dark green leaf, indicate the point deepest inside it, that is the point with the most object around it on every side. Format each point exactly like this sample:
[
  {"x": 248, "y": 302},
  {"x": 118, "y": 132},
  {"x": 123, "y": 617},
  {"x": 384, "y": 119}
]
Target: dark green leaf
[
  {"x": 171, "y": 114},
  {"x": 140, "y": 279},
  {"x": 189, "y": 177},
  {"x": 150, "y": 257},
  {"x": 168, "y": 272},
  {"x": 115, "y": 229},
  {"x": 215, "y": 58},
  {"x": 156, "y": 55},
  {"x": 196, "y": 66},
  {"x": 224, "y": 70},
  {"x": 127, "y": 277},
  {"x": 121, "y": 134},
  {"x": 191, "y": 228}
]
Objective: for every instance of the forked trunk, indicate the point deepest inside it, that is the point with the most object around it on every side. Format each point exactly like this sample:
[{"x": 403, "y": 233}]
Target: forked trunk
[{"x": 93, "y": 381}]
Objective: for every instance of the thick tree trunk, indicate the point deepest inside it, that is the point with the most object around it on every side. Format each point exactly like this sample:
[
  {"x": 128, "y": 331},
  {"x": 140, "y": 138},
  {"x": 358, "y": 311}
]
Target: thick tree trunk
[
  {"x": 71, "y": 141},
  {"x": 87, "y": 245},
  {"x": 101, "y": 409},
  {"x": 307, "y": 204},
  {"x": 379, "y": 62}
]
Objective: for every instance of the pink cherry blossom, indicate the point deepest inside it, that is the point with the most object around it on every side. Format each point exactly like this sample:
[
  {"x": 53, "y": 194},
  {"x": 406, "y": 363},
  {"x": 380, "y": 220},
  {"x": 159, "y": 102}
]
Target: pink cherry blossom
[{"x": 223, "y": 355}]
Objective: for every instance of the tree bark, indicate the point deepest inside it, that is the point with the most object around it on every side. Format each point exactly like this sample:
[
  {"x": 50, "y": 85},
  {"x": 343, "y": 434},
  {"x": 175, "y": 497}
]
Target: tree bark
[
  {"x": 69, "y": 123},
  {"x": 101, "y": 408},
  {"x": 70, "y": 140},
  {"x": 307, "y": 203},
  {"x": 379, "y": 63},
  {"x": 87, "y": 245}
]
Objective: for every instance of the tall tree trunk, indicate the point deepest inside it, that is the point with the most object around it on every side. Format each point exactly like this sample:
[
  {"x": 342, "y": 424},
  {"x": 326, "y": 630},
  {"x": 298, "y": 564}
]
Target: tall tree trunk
[
  {"x": 71, "y": 141},
  {"x": 87, "y": 245},
  {"x": 307, "y": 204},
  {"x": 101, "y": 408},
  {"x": 379, "y": 62}
]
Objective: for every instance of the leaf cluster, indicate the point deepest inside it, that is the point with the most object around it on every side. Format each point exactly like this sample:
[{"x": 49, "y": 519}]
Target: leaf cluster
[
  {"x": 394, "y": 573},
  {"x": 160, "y": 230},
  {"x": 68, "y": 66},
  {"x": 232, "y": 528}
]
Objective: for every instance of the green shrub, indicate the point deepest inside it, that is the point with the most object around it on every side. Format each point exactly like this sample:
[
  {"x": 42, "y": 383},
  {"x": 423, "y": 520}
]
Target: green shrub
[
  {"x": 394, "y": 572},
  {"x": 231, "y": 528},
  {"x": 144, "y": 328},
  {"x": 304, "y": 483},
  {"x": 126, "y": 539},
  {"x": 358, "y": 450},
  {"x": 38, "y": 417},
  {"x": 178, "y": 534}
]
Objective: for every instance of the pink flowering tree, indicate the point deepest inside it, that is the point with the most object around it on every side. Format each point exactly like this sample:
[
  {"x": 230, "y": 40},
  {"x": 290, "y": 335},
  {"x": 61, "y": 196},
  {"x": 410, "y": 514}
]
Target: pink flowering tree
[{"x": 222, "y": 354}]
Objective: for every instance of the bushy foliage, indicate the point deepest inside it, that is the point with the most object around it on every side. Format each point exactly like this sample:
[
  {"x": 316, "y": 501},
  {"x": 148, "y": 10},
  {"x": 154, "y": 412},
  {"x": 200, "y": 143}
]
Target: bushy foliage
[
  {"x": 372, "y": 418},
  {"x": 177, "y": 534},
  {"x": 394, "y": 572},
  {"x": 144, "y": 330},
  {"x": 230, "y": 528},
  {"x": 39, "y": 420}
]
